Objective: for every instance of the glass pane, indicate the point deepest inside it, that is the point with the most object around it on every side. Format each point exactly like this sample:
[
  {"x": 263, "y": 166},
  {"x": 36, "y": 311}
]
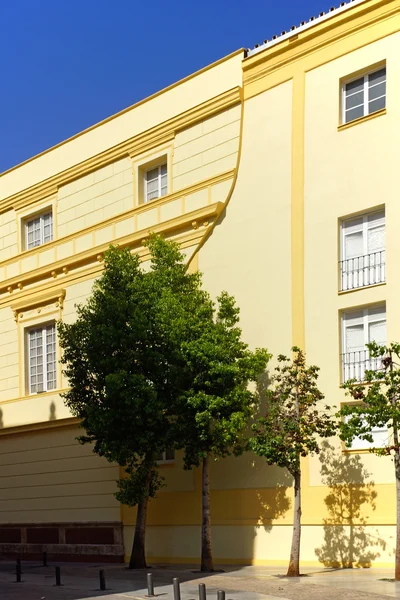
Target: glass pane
[
  {"x": 33, "y": 230},
  {"x": 35, "y": 360},
  {"x": 377, "y": 91},
  {"x": 353, "y": 245},
  {"x": 377, "y": 105},
  {"x": 377, "y": 332},
  {"x": 47, "y": 227},
  {"x": 152, "y": 174},
  {"x": 355, "y": 338},
  {"x": 377, "y": 77},
  {"x": 376, "y": 239},
  {"x": 355, "y": 100},
  {"x": 170, "y": 455},
  {"x": 354, "y": 86},
  {"x": 354, "y": 113},
  {"x": 51, "y": 357},
  {"x": 163, "y": 169}
]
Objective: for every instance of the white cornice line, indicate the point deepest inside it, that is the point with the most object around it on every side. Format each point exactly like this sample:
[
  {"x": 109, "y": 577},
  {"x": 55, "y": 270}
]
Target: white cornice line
[{"x": 311, "y": 23}]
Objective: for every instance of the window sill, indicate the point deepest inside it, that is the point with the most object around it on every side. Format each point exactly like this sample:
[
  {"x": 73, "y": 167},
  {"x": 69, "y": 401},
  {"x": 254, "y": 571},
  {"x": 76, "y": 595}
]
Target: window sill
[
  {"x": 166, "y": 463},
  {"x": 364, "y": 287},
  {"x": 378, "y": 113}
]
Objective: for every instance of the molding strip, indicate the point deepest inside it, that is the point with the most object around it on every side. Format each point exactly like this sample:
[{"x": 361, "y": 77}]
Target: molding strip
[{"x": 134, "y": 146}]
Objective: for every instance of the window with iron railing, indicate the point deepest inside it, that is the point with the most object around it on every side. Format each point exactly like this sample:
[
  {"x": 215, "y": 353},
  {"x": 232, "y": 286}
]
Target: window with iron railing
[
  {"x": 363, "y": 252},
  {"x": 358, "y": 329}
]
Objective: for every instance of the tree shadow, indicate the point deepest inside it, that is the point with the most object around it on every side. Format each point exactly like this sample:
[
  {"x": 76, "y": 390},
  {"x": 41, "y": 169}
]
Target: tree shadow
[
  {"x": 274, "y": 502},
  {"x": 347, "y": 544},
  {"x": 52, "y": 415}
]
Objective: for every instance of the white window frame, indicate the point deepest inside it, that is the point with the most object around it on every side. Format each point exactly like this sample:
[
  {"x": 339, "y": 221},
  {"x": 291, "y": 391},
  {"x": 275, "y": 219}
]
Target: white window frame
[
  {"x": 366, "y": 94},
  {"x": 164, "y": 460},
  {"x": 360, "y": 444},
  {"x": 44, "y": 328},
  {"x": 41, "y": 217},
  {"x": 367, "y": 318},
  {"x": 363, "y": 276},
  {"x": 159, "y": 186}
]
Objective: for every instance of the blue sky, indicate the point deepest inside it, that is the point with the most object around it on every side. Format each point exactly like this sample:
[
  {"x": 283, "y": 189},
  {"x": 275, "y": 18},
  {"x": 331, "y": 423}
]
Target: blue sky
[{"x": 67, "y": 64}]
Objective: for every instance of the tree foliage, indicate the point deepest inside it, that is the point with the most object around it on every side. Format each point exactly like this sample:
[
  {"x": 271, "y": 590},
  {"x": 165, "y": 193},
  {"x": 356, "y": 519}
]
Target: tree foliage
[
  {"x": 124, "y": 363},
  {"x": 294, "y": 422},
  {"x": 218, "y": 402}
]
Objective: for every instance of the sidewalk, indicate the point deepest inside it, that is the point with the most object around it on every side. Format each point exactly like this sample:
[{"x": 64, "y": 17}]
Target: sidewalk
[{"x": 81, "y": 582}]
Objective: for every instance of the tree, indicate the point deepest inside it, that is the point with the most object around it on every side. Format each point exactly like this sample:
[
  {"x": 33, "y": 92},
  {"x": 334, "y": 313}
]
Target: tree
[
  {"x": 218, "y": 402},
  {"x": 378, "y": 405},
  {"x": 291, "y": 428},
  {"x": 122, "y": 357}
]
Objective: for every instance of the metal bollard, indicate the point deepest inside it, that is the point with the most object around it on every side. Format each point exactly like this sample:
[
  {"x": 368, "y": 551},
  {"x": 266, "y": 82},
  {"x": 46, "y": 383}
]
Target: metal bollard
[
  {"x": 202, "y": 591},
  {"x": 45, "y": 559},
  {"x": 58, "y": 576},
  {"x": 220, "y": 595},
  {"x": 150, "y": 585},
  {"x": 18, "y": 571},
  {"x": 102, "y": 579},
  {"x": 177, "y": 589}
]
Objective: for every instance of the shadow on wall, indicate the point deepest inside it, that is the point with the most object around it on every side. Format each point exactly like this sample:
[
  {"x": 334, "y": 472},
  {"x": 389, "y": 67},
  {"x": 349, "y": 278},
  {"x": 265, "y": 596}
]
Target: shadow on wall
[
  {"x": 274, "y": 501},
  {"x": 1, "y": 419},
  {"x": 347, "y": 544},
  {"x": 52, "y": 415}
]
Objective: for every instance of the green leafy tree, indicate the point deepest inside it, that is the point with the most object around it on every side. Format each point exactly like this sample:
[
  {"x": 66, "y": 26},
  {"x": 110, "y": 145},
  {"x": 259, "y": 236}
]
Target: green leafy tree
[
  {"x": 377, "y": 405},
  {"x": 218, "y": 402},
  {"x": 123, "y": 359},
  {"x": 291, "y": 428}
]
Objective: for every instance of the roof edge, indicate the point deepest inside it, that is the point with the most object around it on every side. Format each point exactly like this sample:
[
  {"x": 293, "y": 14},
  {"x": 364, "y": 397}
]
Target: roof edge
[
  {"x": 127, "y": 109},
  {"x": 296, "y": 30}
]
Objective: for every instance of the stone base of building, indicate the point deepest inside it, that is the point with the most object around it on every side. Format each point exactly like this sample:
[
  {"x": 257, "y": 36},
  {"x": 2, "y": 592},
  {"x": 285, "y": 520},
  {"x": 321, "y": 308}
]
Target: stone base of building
[{"x": 100, "y": 542}]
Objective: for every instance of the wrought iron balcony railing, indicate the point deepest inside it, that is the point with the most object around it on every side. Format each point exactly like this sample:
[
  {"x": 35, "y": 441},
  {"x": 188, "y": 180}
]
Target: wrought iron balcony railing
[
  {"x": 354, "y": 365},
  {"x": 362, "y": 271}
]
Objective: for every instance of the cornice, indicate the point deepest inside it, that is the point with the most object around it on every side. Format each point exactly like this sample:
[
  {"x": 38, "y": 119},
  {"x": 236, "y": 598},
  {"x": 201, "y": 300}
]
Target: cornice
[
  {"x": 143, "y": 142},
  {"x": 194, "y": 220},
  {"x": 55, "y": 295},
  {"x": 33, "y": 295},
  {"x": 183, "y": 192},
  {"x": 41, "y": 426},
  {"x": 314, "y": 40}
]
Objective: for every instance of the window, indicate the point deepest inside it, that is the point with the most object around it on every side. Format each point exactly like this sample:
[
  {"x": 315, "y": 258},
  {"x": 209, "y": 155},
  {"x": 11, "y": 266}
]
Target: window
[
  {"x": 362, "y": 251},
  {"x": 155, "y": 183},
  {"x": 38, "y": 230},
  {"x": 380, "y": 437},
  {"x": 166, "y": 456},
  {"x": 42, "y": 358},
  {"x": 364, "y": 95},
  {"x": 359, "y": 328}
]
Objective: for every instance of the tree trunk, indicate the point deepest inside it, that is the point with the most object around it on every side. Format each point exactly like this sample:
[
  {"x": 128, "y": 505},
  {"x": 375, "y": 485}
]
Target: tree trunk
[
  {"x": 294, "y": 564},
  {"x": 138, "y": 556},
  {"x": 397, "y": 563},
  {"x": 207, "y": 563},
  {"x": 397, "y": 471}
]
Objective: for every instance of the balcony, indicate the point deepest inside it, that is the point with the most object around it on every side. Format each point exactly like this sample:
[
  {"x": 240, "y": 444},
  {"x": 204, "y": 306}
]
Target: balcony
[
  {"x": 362, "y": 271},
  {"x": 354, "y": 365}
]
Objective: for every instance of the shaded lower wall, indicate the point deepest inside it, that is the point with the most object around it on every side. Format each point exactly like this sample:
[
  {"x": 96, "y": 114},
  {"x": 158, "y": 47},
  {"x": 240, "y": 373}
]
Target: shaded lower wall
[
  {"x": 57, "y": 496},
  {"x": 63, "y": 541}
]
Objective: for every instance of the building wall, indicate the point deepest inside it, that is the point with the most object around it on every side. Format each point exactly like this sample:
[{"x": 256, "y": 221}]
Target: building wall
[
  {"x": 56, "y": 494},
  {"x": 260, "y": 172}
]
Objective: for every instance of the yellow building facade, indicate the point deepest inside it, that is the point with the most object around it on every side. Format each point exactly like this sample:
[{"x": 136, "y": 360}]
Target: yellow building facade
[{"x": 275, "y": 169}]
